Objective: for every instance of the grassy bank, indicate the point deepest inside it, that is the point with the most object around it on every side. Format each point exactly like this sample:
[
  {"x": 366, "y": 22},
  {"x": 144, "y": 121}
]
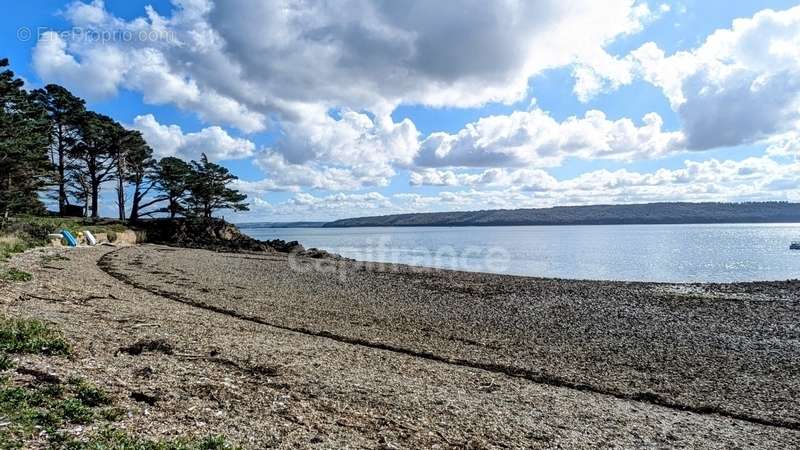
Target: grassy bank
[
  {"x": 38, "y": 409},
  {"x": 19, "y": 234}
]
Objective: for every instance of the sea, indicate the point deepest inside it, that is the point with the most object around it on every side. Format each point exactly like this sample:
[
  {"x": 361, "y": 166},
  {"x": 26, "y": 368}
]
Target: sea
[{"x": 660, "y": 253}]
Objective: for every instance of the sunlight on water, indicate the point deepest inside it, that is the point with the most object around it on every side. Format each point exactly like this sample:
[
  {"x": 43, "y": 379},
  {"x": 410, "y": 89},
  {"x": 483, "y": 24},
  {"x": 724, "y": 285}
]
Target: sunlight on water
[{"x": 674, "y": 253}]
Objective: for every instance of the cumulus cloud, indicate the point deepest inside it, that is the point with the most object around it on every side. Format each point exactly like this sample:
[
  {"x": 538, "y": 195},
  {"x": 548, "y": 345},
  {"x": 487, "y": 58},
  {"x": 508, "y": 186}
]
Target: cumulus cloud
[
  {"x": 327, "y": 76},
  {"x": 371, "y": 145},
  {"x": 741, "y": 86},
  {"x": 751, "y": 179},
  {"x": 240, "y": 61},
  {"x": 732, "y": 179},
  {"x": 598, "y": 71},
  {"x": 284, "y": 175},
  {"x": 534, "y": 139},
  {"x": 170, "y": 140}
]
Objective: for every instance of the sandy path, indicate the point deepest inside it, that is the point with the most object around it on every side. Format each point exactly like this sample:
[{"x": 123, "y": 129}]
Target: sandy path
[{"x": 267, "y": 387}]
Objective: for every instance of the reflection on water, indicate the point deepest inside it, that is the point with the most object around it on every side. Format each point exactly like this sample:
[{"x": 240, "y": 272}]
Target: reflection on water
[{"x": 676, "y": 253}]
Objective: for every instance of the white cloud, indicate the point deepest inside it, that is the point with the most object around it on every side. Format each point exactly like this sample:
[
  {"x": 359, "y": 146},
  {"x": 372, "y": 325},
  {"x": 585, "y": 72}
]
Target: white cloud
[
  {"x": 238, "y": 62},
  {"x": 534, "y": 139},
  {"x": 370, "y": 145},
  {"x": 527, "y": 179},
  {"x": 282, "y": 175},
  {"x": 752, "y": 179},
  {"x": 170, "y": 140},
  {"x": 97, "y": 65},
  {"x": 98, "y": 74},
  {"x": 741, "y": 86},
  {"x": 749, "y": 178}
]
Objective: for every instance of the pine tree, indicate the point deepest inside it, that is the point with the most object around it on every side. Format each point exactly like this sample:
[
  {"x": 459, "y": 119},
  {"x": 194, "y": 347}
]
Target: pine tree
[
  {"x": 65, "y": 111},
  {"x": 172, "y": 178},
  {"x": 132, "y": 156},
  {"x": 96, "y": 154},
  {"x": 24, "y": 138},
  {"x": 209, "y": 191},
  {"x": 141, "y": 174}
]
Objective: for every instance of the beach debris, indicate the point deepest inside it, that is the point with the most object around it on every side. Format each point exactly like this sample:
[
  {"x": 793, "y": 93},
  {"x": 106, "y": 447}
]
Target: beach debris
[
  {"x": 141, "y": 397},
  {"x": 152, "y": 346},
  {"x": 144, "y": 372},
  {"x": 39, "y": 375}
]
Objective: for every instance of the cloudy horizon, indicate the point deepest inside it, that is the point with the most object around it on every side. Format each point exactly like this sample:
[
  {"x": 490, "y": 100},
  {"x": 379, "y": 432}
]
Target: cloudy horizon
[{"x": 327, "y": 111}]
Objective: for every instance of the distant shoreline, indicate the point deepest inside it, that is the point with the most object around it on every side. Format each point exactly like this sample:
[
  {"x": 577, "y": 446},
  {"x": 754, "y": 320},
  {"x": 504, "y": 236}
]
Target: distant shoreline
[
  {"x": 634, "y": 214},
  {"x": 248, "y": 225}
]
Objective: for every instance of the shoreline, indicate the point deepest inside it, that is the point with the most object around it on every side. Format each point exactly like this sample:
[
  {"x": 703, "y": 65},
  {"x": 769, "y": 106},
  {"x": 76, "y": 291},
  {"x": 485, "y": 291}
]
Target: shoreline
[
  {"x": 379, "y": 358},
  {"x": 428, "y": 268}
]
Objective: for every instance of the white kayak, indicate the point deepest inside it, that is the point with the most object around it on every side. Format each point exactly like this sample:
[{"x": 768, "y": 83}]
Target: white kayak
[{"x": 90, "y": 239}]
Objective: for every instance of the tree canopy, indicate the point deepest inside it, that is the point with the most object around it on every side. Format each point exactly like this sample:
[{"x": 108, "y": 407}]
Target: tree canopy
[
  {"x": 209, "y": 191},
  {"x": 25, "y": 168},
  {"x": 52, "y": 146}
]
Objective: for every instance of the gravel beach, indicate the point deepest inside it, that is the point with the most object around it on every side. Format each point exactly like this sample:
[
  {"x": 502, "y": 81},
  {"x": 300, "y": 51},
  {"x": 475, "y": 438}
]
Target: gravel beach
[{"x": 283, "y": 352}]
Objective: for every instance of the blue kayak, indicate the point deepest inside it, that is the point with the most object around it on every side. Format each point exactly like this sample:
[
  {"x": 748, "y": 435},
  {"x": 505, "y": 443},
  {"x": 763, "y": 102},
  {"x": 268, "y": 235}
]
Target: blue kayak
[{"x": 71, "y": 241}]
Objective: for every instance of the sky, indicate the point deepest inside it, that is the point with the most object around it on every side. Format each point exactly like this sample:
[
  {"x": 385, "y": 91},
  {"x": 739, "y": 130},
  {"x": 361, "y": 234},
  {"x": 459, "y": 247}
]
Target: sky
[{"x": 327, "y": 110}]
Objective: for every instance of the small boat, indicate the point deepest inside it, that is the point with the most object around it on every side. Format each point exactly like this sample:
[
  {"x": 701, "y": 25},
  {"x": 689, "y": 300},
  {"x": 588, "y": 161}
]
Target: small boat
[
  {"x": 795, "y": 245},
  {"x": 71, "y": 241}
]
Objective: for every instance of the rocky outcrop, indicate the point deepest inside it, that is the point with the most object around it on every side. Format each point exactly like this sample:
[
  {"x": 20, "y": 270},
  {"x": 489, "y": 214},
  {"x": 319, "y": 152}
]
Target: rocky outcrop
[
  {"x": 316, "y": 253},
  {"x": 210, "y": 234}
]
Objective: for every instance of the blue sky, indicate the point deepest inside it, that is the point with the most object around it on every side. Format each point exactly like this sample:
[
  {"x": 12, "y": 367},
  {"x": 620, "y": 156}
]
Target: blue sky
[{"x": 372, "y": 108}]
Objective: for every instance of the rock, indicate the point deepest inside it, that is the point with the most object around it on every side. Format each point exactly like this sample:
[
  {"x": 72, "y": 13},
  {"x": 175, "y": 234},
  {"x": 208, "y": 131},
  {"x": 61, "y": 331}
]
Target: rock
[{"x": 316, "y": 253}]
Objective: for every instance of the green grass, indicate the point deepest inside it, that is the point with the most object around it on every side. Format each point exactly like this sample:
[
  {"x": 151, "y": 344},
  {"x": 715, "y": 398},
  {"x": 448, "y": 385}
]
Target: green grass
[
  {"x": 71, "y": 224},
  {"x": 26, "y": 410},
  {"x": 6, "y": 362},
  {"x": 29, "y": 409},
  {"x": 110, "y": 439},
  {"x": 25, "y": 232},
  {"x": 10, "y": 245},
  {"x": 87, "y": 394},
  {"x": 14, "y": 275},
  {"x": 48, "y": 407},
  {"x": 31, "y": 336}
]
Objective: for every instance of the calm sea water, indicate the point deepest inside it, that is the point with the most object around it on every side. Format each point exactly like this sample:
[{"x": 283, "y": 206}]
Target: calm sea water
[{"x": 674, "y": 253}]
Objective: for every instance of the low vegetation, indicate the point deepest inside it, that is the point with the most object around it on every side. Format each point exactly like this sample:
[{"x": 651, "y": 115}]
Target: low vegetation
[
  {"x": 19, "y": 234},
  {"x": 41, "y": 412},
  {"x": 14, "y": 275},
  {"x": 111, "y": 439},
  {"x": 31, "y": 336}
]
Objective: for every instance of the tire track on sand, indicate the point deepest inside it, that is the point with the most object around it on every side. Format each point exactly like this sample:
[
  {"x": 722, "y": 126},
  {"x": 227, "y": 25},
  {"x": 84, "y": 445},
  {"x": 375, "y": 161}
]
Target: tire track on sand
[{"x": 106, "y": 265}]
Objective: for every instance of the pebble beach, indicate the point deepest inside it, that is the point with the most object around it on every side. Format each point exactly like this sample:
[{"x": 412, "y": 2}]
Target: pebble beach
[{"x": 290, "y": 352}]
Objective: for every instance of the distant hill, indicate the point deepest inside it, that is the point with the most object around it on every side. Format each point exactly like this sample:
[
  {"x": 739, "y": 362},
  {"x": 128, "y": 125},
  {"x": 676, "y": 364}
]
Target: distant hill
[
  {"x": 650, "y": 213},
  {"x": 280, "y": 225}
]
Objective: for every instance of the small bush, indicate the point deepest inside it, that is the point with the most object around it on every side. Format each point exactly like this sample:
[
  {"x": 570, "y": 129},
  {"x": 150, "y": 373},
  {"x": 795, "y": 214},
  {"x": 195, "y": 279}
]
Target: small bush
[
  {"x": 11, "y": 244},
  {"x": 88, "y": 394},
  {"x": 50, "y": 407},
  {"x": 15, "y": 275},
  {"x": 6, "y": 362},
  {"x": 31, "y": 336},
  {"x": 110, "y": 439},
  {"x": 111, "y": 235}
]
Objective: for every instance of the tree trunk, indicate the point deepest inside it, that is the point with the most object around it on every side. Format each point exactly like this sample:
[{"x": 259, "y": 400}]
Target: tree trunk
[
  {"x": 135, "y": 204},
  {"x": 62, "y": 191},
  {"x": 95, "y": 196},
  {"x": 121, "y": 198}
]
